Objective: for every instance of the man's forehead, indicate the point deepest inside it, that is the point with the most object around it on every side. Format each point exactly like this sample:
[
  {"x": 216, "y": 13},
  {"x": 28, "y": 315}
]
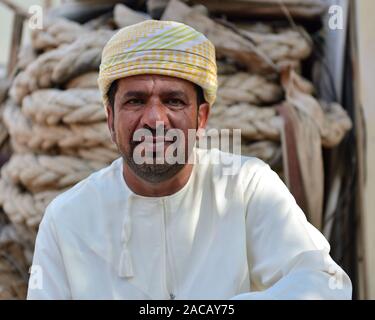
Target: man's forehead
[{"x": 152, "y": 80}]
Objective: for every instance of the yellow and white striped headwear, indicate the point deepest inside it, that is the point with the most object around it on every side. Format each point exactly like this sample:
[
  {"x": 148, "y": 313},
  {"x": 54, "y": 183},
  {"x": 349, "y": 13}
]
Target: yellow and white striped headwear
[{"x": 159, "y": 47}]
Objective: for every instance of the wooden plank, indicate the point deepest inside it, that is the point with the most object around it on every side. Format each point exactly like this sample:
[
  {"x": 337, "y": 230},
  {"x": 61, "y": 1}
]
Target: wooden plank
[
  {"x": 16, "y": 42},
  {"x": 360, "y": 154},
  {"x": 15, "y": 8},
  {"x": 47, "y": 4}
]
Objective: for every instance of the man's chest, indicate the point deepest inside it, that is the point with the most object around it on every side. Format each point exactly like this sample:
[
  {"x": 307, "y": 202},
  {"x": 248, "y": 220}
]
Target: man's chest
[{"x": 177, "y": 250}]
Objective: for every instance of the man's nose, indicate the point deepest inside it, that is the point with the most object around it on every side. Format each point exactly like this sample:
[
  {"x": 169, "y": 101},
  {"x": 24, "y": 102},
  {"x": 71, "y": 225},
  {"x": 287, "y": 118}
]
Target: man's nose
[{"x": 154, "y": 114}]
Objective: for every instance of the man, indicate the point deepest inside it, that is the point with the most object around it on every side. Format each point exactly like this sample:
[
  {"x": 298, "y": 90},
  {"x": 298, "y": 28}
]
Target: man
[{"x": 137, "y": 230}]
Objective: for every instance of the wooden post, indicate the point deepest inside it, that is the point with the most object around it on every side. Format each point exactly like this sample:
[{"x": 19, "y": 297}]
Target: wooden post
[
  {"x": 20, "y": 14},
  {"x": 15, "y": 7},
  {"x": 361, "y": 156},
  {"x": 47, "y": 4},
  {"x": 16, "y": 43}
]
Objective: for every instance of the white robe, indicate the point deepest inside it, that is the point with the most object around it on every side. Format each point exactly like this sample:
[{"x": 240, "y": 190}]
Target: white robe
[{"x": 221, "y": 236}]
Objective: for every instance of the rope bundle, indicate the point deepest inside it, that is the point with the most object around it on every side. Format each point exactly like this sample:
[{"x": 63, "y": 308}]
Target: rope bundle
[
  {"x": 281, "y": 45},
  {"x": 256, "y": 123},
  {"x": 23, "y": 207},
  {"x": 51, "y": 106},
  {"x": 244, "y": 87},
  {"x": 13, "y": 265},
  {"x": 57, "y": 66},
  {"x": 55, "y": 33},
  {"x": 44, "y": 172},
  {"x": 87, "y": 80},
  {"x": 268, "y": 151},
  {"x": 29, "y": 182},
  {"x": 263, "y": 123},
  {"x": 337, "y": 123},
  {"x": 29, "y": 136}
]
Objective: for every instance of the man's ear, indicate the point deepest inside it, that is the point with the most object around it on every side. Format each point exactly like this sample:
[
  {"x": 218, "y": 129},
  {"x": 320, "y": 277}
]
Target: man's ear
[
  {"x": 203, "y": 112},
  {"x": 110, "y": 122}
]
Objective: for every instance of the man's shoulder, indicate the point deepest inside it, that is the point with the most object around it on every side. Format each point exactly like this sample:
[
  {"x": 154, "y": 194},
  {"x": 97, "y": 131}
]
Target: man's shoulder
[
  {"x": 232, "y": 173},
  {"x": 86, "y": 194},
  {"x": 229, "y": 164}
]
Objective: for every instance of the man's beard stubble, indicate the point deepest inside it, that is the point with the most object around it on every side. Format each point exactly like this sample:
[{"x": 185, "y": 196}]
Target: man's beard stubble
[{"x": 154, "y": 173}]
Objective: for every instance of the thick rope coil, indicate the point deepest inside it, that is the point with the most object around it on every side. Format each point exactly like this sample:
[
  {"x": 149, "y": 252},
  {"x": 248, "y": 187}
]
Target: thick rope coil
[
  {"x": 41, "y": 172},
  {"x": 268, "y": 151},
  {"x": 331, "y": 119},
  {"x": 56, "y": 32},
  {"x": 255, "y": 123},
  {"x": 124, "y": 16},
  {"x": 13, "y": 264},
  {"x": 281, "y": 45},
  {"x": 52, "y": 106},
  {"x": 263, "y": 123},
  {"x": 97, "y": 154},
  {"x": 337, "y": 124},
  {"x": 26, "y": 135},
  {"x": 244, "y": 87},
  {"x": 26, "y": 56},
  {"x": 88, "y": 80},
  {"x": 23, "y": 207},
  {"x": 58, "y": 66}
]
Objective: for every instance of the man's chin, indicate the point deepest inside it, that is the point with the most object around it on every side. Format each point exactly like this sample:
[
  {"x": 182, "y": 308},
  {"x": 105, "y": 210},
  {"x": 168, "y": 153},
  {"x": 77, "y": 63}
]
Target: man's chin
[{"x": 155, "y": 173}]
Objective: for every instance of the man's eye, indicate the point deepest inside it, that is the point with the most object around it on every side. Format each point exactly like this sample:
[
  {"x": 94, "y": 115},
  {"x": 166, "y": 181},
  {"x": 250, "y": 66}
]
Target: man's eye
[
  {"x": 135, "y": 101},
  {"x": 175, "y": 102}
]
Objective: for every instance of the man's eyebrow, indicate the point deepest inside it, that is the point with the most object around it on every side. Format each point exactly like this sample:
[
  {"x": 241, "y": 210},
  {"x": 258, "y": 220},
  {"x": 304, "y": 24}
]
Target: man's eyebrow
[
  {"x": 143, "y": 94},
  {"x": 133, "y": 94},
  {"x": 175, "y": 93}
]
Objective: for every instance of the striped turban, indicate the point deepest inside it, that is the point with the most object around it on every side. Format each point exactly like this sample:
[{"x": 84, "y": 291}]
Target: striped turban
[{"x": 159, "y": 47}]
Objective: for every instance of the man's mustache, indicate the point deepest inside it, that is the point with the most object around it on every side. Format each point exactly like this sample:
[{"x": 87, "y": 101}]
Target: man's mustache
[{"x": 154, "y": 135}]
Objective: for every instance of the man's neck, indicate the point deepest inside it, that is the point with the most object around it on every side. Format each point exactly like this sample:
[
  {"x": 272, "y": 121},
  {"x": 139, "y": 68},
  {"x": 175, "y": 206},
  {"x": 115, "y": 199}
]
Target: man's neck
[{"x": 160, "y": 189}]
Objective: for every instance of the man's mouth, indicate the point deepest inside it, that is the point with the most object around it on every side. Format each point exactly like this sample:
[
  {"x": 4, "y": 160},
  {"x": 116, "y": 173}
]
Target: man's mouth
[
  {"x": 155, "y": 140},
  {"x": 155, "y": 144}
]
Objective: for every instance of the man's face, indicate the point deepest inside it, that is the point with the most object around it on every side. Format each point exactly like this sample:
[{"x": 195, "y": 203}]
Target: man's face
[{"x": 145, "y": 102}]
